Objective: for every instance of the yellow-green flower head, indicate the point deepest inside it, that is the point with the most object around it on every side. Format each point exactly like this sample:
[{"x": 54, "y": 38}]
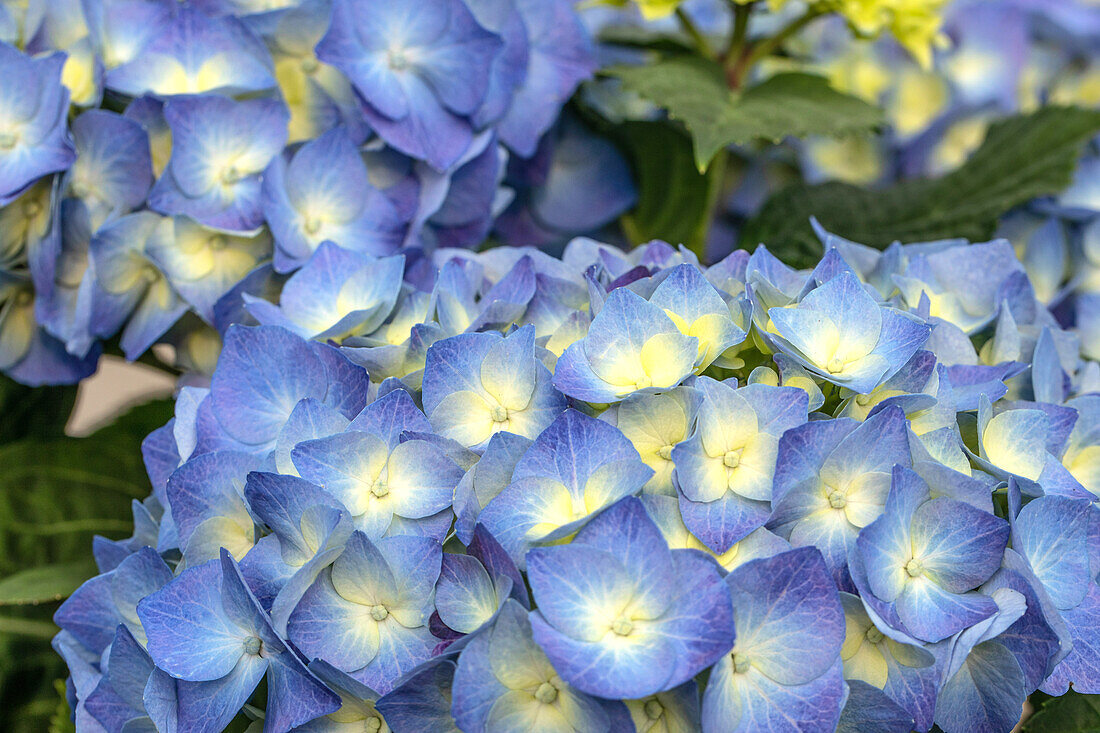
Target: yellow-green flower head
[
  {"x": 915, "y": 23},
  {"x": 651, "y": 9}
]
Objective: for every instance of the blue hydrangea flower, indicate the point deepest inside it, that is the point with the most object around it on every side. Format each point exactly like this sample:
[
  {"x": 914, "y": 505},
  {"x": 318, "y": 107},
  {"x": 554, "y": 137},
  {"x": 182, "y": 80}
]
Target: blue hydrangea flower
[
  {"x": 697, "y": 309},
  {"x": 868, "y": 707},
  {"x": 655, "y": 424},
  {"x": 113, "y": 171},
  {"x": 478, "y": 384},
  {"x": 832, "y": 479},
  {"x": 621, "y": 615},
  {"x": 338, "y": 292},
  {"x": 575, "y": 467},
  {"x": 359, "y": 504},
  {"x": 185, "y": 51},
  {"x": 962, "y": 285},
  {"x": 486, "y": 479},
  {"x": 262, "y": 374},
  {"x": 559, "y": 57},
  {"x": 665, "y": 512},
  {"x": 358, "y": 704},
  {"x": 905, "y": 672},
  {"x": 672, "y": 710},
  {"x": 323, "y": 192},
  {"x": 576, "y": 183},
  {"x": 389, "y": 482},
  {"x": 473, "y": 588},
  {"x": 219, "y": 149},
  {"x": 318, "y": 96},
  {"x": 925, "y": 556},
  {"x": 784, "y": 672},
  {"x": 367, "y": 614},
  {"x": 118, "y": 700},
  {"x": 842, "y": 335},
  {"x": 724, "y": 471},
  {"x": 209, "y": 511},
  {"x": 632, "y": 345},
  {"x": 504, "y": 681},
  {"x": 983, "y": 684},
  {"x": 34, "y": 139},
  {"x": 101, "y": 604},
  {"x": 203, "y": 264},
  {"x": 1022, "y": 441},
  {"x": 122, "y": 253},
  {"x": 306, "y": 534},
  {"x": 422, "y": 70},
  {"x": 207, "y": 627},
  {"x": 1056, "y": 536}
]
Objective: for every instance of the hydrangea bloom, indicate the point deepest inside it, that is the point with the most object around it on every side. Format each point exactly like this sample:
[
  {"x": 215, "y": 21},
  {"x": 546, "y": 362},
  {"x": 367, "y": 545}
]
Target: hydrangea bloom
[
  {"x": 260, "y": 132},
  {"x": 357, "y": 505}
]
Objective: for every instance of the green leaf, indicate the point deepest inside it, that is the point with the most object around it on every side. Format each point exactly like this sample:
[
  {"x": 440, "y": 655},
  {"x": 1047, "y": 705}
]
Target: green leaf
[
  {"x": 1022, "y": 157},
  {"x": 33, "y": 628},
  {"x": 1070, "y": 713},
  {"x": 672, "y": 194},
  {"x": 694, "y": 91},
  {"x": 44, "y": 584},
  {"x": 56, "y": 494},
  {"x": 33, "y": 411}
]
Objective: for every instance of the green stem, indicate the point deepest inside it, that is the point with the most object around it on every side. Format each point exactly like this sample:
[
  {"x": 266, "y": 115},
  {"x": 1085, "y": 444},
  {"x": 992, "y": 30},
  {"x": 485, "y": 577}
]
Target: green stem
[
  {"x": 736, "y": 47},
  {"x": 715, "y": 188},
  {"x": 697, "y": 37},
  {"x": 770, "y": 45}
]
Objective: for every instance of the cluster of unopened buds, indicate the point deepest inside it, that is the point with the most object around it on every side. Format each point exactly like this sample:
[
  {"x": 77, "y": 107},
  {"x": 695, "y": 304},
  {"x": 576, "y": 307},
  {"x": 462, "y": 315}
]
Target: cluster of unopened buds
[{"x": 611, "y": 491}]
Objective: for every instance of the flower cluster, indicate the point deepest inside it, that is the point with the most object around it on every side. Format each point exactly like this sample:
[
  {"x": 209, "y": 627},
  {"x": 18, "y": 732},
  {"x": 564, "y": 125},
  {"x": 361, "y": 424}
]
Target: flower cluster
[
  {"x": 501, "y": 491},
  {"x": 1003, "y": 58},
  {"x": 154, "y": 155}
]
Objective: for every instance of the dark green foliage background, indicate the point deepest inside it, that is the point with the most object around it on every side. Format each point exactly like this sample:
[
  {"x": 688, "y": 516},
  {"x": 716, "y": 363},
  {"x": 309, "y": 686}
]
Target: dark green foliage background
[{"x": 56, "y": 493}]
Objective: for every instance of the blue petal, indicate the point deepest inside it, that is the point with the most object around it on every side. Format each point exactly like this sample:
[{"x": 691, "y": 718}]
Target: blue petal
[
  {"x": 985, "y": 695},
  {"x": 788, "y": 615},
  {"x": 190, "y": 634}
]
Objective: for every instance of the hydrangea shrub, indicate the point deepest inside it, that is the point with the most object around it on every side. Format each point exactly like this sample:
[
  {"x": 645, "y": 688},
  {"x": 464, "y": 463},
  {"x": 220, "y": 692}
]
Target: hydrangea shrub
[{"x": 613, "y": 491}]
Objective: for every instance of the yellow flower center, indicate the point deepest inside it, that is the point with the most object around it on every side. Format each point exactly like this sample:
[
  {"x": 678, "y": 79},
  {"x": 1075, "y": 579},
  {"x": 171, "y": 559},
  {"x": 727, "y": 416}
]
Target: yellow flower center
[
  {"x": 874, "y": 636},
  {"x": 379, "y": 612},
  {"x": 499, "y": 413},
  {"x": 622, "y": 626},
  {"x": 397, "y": 60},
  {"x": 546, "y": 693},
  {"x": 231, "y": 175},
  {"x": 914, "y": 567},
  {"x": 654, "y": 709},
  {"x": 732, "y": 459},
  {"x": 253, "y": 645},
  {"x": 741, "y": 662},
  {"x": 837, "y": 499},
  {"x": 665, "y": 452}
]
